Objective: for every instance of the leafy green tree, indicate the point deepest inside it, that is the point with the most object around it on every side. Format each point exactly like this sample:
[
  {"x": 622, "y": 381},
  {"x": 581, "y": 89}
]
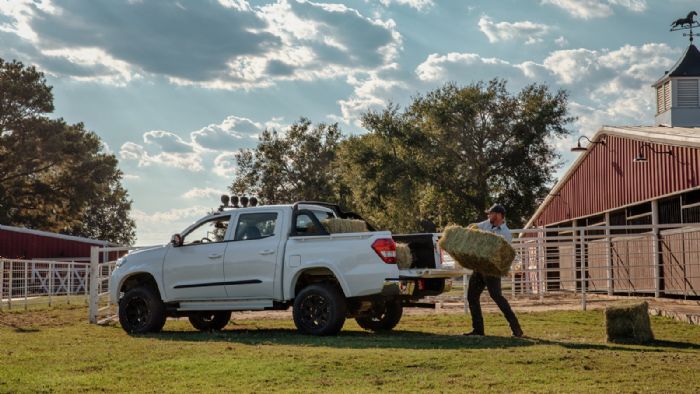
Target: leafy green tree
[
  {"x": 297, "y": 165},
  {"x": 54, "y": 176},
  {"x": 453, "y": 152}
]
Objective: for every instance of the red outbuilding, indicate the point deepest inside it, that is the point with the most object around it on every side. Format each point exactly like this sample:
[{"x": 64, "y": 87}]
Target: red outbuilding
[{"x": 26, "y": 244}]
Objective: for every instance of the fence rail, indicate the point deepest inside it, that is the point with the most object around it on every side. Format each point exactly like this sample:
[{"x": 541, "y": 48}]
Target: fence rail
[
  {"x": 28, "y": 283},
  {"x": 658, "y": 260}
]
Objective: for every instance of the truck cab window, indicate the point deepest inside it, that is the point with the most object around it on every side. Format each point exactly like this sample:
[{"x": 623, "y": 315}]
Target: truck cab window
[
  {"x": 255, "y": 226},
  {"x": 213, "y": 230},
  {"x": 305, "y": 225}
]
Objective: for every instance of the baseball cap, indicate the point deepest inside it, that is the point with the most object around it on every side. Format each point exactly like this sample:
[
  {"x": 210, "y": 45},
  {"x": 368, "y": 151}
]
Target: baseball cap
[{"x": 497, "y": 208}]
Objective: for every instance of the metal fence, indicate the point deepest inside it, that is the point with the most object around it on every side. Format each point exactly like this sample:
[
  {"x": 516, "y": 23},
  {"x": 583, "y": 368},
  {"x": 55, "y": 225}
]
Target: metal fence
[
  {"x": 29, "y": 283},
  {"x": 647, "y": 260},
  {"x": 100, "y": 309}
]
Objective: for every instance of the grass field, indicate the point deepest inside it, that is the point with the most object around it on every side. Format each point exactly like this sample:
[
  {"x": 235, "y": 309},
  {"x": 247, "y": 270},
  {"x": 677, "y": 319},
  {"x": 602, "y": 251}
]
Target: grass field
[{"x": 57, "y": 351}]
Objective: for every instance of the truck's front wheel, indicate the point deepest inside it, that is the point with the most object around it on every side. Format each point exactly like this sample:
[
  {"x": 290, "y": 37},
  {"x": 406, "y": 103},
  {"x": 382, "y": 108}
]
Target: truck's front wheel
[
  {"x": 384, "y": 316},
  {"x": 319, "y": 309},
  {"x": 141, "y": 311}
]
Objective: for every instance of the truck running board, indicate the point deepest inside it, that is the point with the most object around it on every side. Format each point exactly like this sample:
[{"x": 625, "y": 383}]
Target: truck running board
[{"x": 228, "y": 305}]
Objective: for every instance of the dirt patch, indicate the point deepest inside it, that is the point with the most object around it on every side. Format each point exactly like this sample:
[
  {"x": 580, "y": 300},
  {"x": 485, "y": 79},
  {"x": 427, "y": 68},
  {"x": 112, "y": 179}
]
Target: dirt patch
[{"x": 32, "y": 321}]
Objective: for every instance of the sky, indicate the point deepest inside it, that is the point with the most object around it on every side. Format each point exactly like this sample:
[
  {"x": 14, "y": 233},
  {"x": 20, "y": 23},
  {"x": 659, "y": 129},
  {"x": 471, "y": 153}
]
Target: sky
[{"x": 175, "y": 88}]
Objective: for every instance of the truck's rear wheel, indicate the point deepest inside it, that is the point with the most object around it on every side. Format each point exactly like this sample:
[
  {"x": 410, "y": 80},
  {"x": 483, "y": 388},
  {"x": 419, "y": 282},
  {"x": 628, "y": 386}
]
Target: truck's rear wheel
[
  {"x": 210, "y": 321},
  {"x": 384, "y": 316},
  {"x": 141, "y": 311},
  {"x": 319, "y": 309}
]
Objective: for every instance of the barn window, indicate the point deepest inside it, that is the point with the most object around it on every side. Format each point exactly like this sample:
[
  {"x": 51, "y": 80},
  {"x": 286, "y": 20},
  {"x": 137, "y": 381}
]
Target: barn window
[{"x": 688, "y": 93}]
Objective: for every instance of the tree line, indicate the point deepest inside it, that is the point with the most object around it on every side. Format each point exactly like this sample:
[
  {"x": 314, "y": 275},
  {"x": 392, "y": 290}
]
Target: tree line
[
  {"x": 445, "y": 158},
  {"x": 55, "y": 176}
]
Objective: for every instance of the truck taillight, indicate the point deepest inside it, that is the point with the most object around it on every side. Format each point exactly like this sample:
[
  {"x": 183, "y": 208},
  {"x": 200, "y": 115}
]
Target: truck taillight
[{"x": 386, "y": 249}]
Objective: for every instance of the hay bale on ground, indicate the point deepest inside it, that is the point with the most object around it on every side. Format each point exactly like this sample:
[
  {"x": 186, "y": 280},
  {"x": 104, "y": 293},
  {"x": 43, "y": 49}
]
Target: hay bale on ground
[
  {"x": 628, "y": 322},
  {"x": 478, "y": 250},
  {"x": 336, "y": 225},
  {"x": 404, "y": 258}
]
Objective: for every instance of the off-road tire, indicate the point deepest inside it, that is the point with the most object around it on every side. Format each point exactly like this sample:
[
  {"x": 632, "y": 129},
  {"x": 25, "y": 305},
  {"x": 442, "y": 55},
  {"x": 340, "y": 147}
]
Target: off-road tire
[
  {"x": 383, "y": 317},
  {"x": 141, "y": 311},
  {"x": 319, "y": 309},
  {"x": 210, "y": 321}
]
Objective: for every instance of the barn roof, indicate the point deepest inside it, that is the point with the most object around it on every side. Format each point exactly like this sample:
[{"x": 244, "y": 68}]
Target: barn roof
[
  {"x": 687, "y": 66},
  {"x": 676, "y": 136},
  {"x": 55, "y": 235}
]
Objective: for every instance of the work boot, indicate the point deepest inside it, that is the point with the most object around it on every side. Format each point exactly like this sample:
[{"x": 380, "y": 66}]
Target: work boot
[{"x": 473, "y": 334}]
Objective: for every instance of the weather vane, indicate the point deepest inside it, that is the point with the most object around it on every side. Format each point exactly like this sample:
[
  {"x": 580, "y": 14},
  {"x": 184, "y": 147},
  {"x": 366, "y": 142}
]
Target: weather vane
[{"x": 687, "y": 23}]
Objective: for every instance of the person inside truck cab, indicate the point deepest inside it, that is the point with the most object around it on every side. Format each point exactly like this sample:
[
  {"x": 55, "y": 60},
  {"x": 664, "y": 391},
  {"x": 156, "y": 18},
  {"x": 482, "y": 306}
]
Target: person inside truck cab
[{"x": 496, "y": 224}]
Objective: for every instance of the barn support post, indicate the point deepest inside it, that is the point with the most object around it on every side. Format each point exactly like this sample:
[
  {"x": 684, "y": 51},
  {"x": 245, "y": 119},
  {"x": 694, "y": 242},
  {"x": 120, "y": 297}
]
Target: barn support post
[
  {"x": 655, "y": 248},
  {"x": 50, "y": 280},
  {"x": 541, "y": 264},
  {"x": 26, "y": 284},
  {"x": 583, "y": 269},
  {"x": 9, "y": 287},
  {"x": 608, "y": 252},
  {"x": 92, "y": 281},
  {"x": 69, "y": 281}
]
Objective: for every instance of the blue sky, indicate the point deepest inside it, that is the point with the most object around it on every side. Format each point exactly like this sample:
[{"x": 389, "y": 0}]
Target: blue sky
[{"x": 175, "y": 88}]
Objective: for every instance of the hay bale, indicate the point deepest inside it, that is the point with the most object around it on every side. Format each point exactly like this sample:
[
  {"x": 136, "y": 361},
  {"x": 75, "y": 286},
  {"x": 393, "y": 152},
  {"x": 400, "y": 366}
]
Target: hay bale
[
  {"x": 478, "y": 250},
  {"x": 336, "y": 225},
  {"x": 404, "y": 258},
  {"x": 628, "y": 322}
]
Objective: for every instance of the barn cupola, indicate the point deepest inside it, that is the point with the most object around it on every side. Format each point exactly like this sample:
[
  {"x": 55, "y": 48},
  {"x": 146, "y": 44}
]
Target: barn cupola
[{"x": 677, "y": 92}]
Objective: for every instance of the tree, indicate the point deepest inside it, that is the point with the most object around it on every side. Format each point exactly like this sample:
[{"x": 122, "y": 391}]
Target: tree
[
  {"x": 54, "y": 176},
  {"x": 453, "y": 152},
  {"x": 297, "y": 165}
]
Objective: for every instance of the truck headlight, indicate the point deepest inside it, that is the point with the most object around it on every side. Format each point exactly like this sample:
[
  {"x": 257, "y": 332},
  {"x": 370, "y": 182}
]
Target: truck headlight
[{"x": 120, "y": 262}]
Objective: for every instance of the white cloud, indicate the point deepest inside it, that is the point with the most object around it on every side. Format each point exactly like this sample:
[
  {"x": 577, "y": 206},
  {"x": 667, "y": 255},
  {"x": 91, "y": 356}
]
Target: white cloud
[
  {"x": 531, "y": 32},
  {"x": 605, "y": 86},
  {"x": 203, "y": 193},
  {"x": 371, "y": 91},
  {"x": 225, "y": 165},
  {"x": 561, "y": 41},
  {"x": 453, "y": 66},
  {"x": 589, "y": 9},
  {"x": 165, "y": 148},
  {"x": 230, "y": 134},
  {"x": 227, "y": 44},
  {"x": 417, "y": 4},
  {"x": 154, "y": 228}
]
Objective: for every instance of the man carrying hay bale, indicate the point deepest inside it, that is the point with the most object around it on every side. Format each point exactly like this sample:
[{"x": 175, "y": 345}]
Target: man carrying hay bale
[{"x": 494, "y": 224}]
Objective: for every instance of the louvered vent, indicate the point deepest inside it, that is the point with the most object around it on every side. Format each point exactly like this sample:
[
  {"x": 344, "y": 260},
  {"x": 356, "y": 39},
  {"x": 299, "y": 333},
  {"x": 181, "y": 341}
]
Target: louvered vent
[
  {"x": 667, "y": 96},
  {"x": 660, "y": 107},
  {"x": 688, "y": 93}
]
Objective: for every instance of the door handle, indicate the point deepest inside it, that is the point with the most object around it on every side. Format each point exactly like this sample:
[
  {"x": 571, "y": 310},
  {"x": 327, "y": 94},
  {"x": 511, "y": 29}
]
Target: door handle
[
  {"x": 266, "y": 252},
  {"x": 214, "y": 256}
]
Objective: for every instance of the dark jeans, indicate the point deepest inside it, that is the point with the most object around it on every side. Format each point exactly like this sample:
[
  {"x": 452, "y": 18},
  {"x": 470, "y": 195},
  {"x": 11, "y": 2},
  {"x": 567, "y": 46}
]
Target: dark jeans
[{"x": 477, "y": 282}]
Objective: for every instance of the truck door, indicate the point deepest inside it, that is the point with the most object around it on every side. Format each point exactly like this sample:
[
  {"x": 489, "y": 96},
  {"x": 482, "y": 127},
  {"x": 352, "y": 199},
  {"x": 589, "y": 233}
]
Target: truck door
[
  {"x": 252, "y": 256},
  {"x": 195, "y": 270}
]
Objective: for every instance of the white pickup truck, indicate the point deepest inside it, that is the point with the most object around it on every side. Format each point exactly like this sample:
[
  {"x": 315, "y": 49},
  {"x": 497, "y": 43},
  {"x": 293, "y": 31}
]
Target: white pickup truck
[{"x": 274, "y": 257}]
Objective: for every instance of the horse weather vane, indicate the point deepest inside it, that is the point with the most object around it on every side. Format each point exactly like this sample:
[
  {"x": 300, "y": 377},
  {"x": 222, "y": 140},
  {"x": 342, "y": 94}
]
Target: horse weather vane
[{"x": 687, "y": 23}]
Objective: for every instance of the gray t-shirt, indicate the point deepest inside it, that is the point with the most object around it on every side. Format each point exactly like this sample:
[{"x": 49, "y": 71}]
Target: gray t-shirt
[{"x": 501, "y": 230}]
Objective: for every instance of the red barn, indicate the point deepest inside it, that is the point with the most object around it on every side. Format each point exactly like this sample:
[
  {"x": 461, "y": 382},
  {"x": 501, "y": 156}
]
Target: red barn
[
  {"x": 26, "y": 244},
  {"x": 635, "y": 175}
]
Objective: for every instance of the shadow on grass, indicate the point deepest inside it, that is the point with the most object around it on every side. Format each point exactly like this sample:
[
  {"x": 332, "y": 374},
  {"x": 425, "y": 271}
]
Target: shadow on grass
[{"x": 400, "y": 339}]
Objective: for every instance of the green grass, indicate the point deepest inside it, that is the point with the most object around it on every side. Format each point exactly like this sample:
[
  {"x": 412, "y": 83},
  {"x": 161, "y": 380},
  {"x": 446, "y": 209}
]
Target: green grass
[{"x": 57, "y": 351}]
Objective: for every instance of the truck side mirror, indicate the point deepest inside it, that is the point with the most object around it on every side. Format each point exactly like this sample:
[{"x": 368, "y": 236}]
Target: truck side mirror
[{"x": 176, "y": 240}]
